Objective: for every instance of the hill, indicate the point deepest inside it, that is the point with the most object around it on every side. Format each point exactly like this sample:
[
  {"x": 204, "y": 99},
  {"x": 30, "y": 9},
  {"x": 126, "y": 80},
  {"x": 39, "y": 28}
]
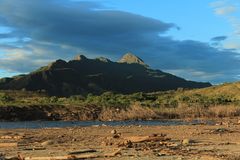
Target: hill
[
  {"x": 82, "y": 76},
  {"x": 227, "y": 89},
  {"x": 216, "y": 101}
]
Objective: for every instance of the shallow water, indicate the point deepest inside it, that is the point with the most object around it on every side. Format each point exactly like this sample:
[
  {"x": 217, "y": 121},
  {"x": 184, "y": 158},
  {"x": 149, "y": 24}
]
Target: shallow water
[{"x": 62, "y": 124}]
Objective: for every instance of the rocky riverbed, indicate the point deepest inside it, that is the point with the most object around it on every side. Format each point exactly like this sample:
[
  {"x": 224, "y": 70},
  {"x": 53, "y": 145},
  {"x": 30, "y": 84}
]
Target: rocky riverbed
[{"x": 201, "y": 141}]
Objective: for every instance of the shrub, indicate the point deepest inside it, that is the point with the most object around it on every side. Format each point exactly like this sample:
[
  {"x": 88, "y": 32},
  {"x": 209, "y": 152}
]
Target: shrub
[
  {"x": 184, "y": 98},
  {"x": 222, "y": 99},
  {"x": 5, "y": 98},
  {"x": 173, "y": 103},
  {"x": 77, "y": 98},
  {"x": 53, "y": 99}
]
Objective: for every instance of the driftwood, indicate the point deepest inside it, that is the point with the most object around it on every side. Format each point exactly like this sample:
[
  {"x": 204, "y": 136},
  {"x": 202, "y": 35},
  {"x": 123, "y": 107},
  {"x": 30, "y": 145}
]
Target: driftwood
[
  {"x": 11, "y": 137},
  {"x": 82, "y": 151},
  {"x": 139, "y": 139},
  {"x": 33, "y": 148},
  {"x": 69, "y": 157},
  {"x": 13, "y": 144}
]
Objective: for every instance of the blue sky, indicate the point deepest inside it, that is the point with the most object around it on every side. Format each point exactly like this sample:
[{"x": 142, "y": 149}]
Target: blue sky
[
  {"x": 197, "y": 40},
  {"x": 189, "y": 15}
]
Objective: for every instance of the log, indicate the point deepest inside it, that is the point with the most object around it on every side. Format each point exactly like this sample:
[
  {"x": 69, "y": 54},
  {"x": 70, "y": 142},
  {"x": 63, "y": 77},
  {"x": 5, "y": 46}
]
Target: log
[
  {"x": 117, "y": 152},
  {"x": 139, "y": 139},
  {"x": 50, "y": 158},
  {"x": 75, "y": 157},
  {"x": 8, "y": 144},
  {"x": 11, "y": 137},
  {"x": 33, "y": 148},
  {"x": 82, "y": 151}
]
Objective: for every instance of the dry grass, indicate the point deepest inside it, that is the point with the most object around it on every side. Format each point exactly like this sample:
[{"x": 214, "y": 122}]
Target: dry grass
[
  {"x": 228, "y": 89},
  {"x": 224, "y": 111},
  {"x": 134, "y": 112},
  {"x": 137, "y": 112},
  {"x": 184, "y": 111}
]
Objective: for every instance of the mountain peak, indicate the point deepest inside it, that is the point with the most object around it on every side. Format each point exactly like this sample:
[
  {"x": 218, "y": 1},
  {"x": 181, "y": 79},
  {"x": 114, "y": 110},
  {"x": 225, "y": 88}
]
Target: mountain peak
[
  {"x": 131, "y": 58},
  {"x": 103, "y": 59},
  {"x": 80, "y": 57},
  {"x": 57, "y": 64}
]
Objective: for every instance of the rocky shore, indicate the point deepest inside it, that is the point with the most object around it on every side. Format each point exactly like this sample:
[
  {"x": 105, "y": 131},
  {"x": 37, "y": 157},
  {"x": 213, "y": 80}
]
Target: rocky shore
[{"x": 201, "y": 142}]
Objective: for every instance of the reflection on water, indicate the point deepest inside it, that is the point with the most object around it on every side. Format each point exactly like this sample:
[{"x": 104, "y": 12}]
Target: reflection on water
[{"x": 62, "y": 124}]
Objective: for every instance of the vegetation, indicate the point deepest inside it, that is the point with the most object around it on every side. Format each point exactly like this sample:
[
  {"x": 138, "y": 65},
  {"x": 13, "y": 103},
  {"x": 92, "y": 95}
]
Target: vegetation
[
  {"x": 4, "y": 98},
  {"x": 215, "y": 101}
]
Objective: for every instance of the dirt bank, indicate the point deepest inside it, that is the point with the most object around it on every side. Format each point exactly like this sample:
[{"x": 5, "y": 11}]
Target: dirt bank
[
  {"x": 48, "y": 112},
  {"x": 75, "y": 113},
  {"x": 58, "y": 112},
  {"x": 220, "y": 141}
]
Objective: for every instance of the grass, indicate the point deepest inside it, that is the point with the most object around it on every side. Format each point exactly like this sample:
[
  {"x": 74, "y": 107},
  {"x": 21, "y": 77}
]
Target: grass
[
  {"x": 209, "y": 102},
  {"x": 134, "y": 112}
]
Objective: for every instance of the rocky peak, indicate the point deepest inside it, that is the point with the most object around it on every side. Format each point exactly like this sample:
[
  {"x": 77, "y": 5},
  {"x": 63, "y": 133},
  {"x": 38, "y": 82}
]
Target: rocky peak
[
  {"x": 131, "y": 58},
  {"x": 80, "y": 57},
  {"x": 103, "y": 59},
  {"x": 57, "y": 64}
]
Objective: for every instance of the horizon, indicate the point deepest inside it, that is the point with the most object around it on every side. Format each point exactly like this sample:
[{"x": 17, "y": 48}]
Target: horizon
[{"x": 197, "y": 41}]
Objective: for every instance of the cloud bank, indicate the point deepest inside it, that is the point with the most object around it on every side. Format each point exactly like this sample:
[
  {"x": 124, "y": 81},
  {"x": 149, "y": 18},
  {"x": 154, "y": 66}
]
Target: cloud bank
[
  {"x": 45, "y": 30},
  {"x": 229, "y": 10}
]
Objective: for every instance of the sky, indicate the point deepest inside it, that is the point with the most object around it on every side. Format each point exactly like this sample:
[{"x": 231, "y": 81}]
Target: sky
[{"x": 196, "y": 39}]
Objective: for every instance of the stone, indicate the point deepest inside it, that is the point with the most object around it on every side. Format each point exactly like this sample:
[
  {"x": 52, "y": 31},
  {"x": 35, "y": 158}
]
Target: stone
[
  {"x": 161, "y": 154},
  {"x": 187, "y": 141},
  {"x": 114, "y": 131},
  {"x": 117, "y": 135},
  {"x": 46, "y": 143},
  {"x": 238, "y": 121}
]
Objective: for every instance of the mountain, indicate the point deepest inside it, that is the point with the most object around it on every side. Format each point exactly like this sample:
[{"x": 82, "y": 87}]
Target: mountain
[{"x": 82, "y": 76}]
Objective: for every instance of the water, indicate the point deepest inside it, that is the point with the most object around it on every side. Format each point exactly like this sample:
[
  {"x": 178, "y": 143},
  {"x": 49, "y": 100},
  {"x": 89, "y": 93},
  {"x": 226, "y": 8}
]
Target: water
[{"x": 62, "y": 124}]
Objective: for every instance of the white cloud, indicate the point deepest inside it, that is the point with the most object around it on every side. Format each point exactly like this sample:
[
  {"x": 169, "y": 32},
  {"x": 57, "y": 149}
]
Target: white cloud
[
  {"x": 228, "y": 9},
  {"x": 217, "y": 4},
  {"x": 235, "y": 22},
  {"x": 223, "y": 7},
  {"x": 191, "y": 74},
  {"x": 225, "y": 10},
  {"x": 232, "y": 45}
]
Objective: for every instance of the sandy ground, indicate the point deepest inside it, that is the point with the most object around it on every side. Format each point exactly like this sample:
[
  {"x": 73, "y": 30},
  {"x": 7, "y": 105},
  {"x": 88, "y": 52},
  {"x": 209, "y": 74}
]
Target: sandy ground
[{"x": 206, "y": 142}]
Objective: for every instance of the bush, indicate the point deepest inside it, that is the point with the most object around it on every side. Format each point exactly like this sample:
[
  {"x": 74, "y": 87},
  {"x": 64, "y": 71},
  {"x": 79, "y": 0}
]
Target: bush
[
  {"x": 77, "y": 98},
  {"x": 222, "y": 100},
  {"x": 197, "y": 99},
  {"x": 5, "y": 98},
  {"x": 53, "y": 99},
  {"x": 173, "y": 103},
  {"x": 184, "y": 98}
]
